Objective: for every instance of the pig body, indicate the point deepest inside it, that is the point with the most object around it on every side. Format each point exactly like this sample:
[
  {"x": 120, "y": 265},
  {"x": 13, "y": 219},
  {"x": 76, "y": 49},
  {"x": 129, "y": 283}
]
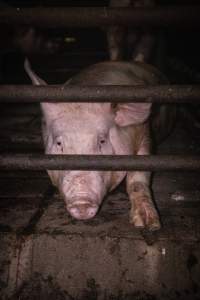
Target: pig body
[{"x": 94, "y": 128}]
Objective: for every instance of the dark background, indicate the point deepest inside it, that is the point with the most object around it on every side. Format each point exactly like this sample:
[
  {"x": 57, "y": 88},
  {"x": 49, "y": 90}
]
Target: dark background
[{"x": 182, "y": 45}]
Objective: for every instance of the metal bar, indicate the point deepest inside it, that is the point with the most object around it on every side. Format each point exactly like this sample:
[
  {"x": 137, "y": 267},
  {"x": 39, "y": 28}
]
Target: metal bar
[
  {"x": 54, "y": 17},
  {"x": 100, "y": 162},
  {"x": 122, "y": 94}
]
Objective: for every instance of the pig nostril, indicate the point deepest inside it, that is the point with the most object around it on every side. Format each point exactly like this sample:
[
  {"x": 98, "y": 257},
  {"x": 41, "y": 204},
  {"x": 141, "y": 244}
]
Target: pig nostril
[{"x": 83, "y": 211}]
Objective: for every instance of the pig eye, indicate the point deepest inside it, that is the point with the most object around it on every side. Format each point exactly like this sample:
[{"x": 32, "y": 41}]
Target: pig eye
[{"x": 58, "y": 143}]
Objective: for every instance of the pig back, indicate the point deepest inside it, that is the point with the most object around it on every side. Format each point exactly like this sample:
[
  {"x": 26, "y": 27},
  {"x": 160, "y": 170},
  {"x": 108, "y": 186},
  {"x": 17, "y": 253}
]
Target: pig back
[{"x": 162, "y": 118}]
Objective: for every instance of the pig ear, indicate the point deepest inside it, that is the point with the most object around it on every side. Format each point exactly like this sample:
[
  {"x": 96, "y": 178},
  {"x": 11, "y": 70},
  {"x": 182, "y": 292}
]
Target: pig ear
[
  {"x": 36, "y": 80},
  {"x": 50, "y": 110},
  {"x": 132, "y": 113}
]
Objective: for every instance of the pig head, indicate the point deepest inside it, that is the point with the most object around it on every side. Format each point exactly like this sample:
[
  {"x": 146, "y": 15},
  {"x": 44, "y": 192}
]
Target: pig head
[{"x": 94, "y": 128}]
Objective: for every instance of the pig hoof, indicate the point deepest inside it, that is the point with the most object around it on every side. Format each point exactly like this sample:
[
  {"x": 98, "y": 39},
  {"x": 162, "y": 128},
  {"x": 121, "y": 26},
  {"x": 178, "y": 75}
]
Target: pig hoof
[{"x": 145, "y": 217}]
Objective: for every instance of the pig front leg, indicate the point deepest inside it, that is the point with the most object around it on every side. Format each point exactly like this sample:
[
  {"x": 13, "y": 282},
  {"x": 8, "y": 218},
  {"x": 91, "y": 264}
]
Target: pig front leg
[{"x": 143, "y": 213}]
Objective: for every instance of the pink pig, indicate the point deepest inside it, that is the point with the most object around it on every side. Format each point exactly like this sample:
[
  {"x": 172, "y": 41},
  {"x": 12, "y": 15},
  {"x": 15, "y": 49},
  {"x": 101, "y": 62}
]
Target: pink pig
[{"x": 94, "y": 128}]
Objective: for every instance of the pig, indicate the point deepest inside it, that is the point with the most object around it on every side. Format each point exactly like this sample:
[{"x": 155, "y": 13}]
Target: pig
[
  {"x": 30, "y": 40},
  {"x": 102, "y": 129},
  {"x": 127, "y": 42}
]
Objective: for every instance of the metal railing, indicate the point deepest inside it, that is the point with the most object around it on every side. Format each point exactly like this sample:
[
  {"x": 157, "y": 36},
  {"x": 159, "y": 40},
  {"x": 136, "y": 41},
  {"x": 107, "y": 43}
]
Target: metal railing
[
  {"x": 100, "y": 162},
  {"x": 114, "y": 94},
  {"x": 55, "y": 17}
]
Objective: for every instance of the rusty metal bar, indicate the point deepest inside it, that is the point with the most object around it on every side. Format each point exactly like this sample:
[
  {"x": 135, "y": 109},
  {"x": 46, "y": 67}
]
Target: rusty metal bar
[
  {"x": 100, "y": 162},
  {"x": 54, "y": 17},
  {"x": 122, "y": 94}
]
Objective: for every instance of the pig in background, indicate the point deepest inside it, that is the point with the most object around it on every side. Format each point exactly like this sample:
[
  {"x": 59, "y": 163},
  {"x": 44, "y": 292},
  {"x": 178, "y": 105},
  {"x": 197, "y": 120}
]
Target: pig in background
[
  {"x": 127, "y": 42},
  {"x": 30, "y": 40}
]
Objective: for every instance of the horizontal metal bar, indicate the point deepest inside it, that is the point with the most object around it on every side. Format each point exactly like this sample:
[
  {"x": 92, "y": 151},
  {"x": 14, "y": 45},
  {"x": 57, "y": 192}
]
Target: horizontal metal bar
[
  {"x": 54, "y": 17},
  {"x": 100, "y": 162},
  {"x": 122, "y": 94}
]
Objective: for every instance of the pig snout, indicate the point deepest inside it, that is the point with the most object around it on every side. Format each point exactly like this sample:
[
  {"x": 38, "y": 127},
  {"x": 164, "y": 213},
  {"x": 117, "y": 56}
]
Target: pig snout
[
  {"x": 83, "y": 209},
  {"x": 83, "y": 194}
]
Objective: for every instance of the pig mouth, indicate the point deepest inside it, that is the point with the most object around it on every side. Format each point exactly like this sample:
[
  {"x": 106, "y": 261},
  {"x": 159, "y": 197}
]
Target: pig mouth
[{"x": 82, "y": 208}]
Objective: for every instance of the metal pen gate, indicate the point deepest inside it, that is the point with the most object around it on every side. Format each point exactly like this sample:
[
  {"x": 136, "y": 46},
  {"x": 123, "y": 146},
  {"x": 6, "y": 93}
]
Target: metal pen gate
[
  {"x": 156, "y": 94},
  {"x": 86, "y": 17}
]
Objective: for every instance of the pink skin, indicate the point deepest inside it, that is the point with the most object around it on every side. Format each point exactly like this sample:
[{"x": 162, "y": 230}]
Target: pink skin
[{"x": 84, "y": 132}]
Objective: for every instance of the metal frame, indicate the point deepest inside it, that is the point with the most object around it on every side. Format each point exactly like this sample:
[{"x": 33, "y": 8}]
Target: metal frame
[
  {"x": 100, "y": 162},
  {"x": 55, "y": 17},
  {"x": 122, "y": 94}
]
